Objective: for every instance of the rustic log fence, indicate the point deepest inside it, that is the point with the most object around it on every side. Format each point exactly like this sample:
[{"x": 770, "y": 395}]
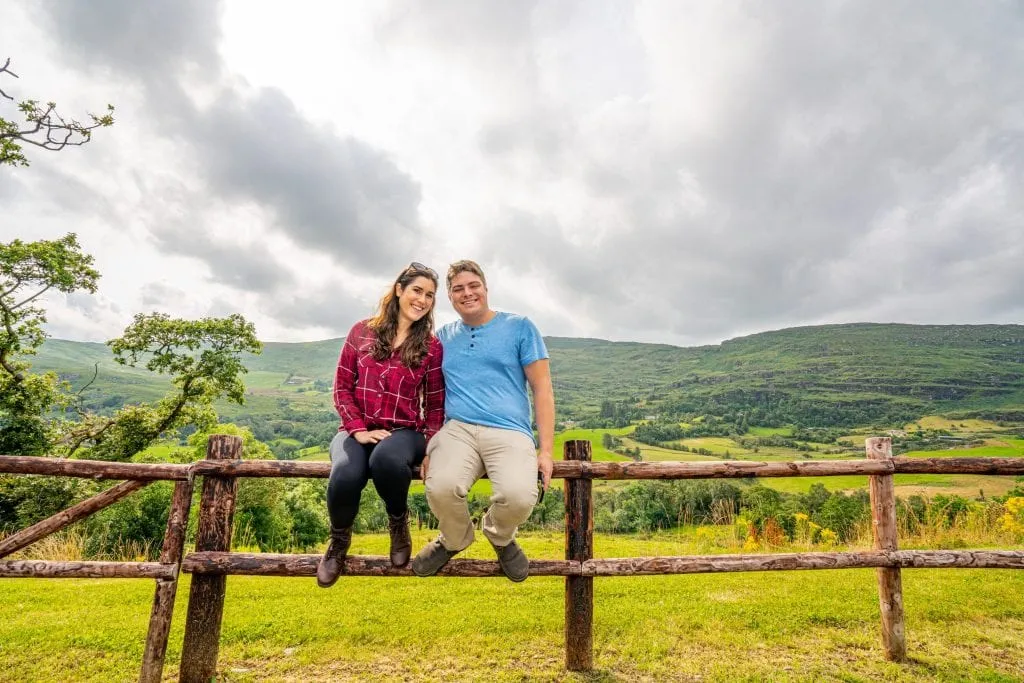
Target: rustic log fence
[{"x": 212, "y": 561}]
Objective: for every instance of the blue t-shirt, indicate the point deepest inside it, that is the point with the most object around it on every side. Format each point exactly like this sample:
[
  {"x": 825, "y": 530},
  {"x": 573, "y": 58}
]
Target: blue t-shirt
[{"x": 483, "y": 371}]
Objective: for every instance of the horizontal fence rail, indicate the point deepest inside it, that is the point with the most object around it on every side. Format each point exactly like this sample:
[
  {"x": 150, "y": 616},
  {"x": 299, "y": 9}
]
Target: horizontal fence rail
[
  {"x": 269, "y": 564},
  {"x": 212, "y": 561},
  {"x": 49, "y": 569},
  {"x": 95, "y": 469}
]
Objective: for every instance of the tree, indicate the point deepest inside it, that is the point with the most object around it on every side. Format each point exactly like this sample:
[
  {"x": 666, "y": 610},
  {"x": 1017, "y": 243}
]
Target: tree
[
  {"x": 27, "y": 271},
  {"x": 38, "y": 414},
  {"x": 203, "y": 358},
  {"x": 44, "y": 127}
]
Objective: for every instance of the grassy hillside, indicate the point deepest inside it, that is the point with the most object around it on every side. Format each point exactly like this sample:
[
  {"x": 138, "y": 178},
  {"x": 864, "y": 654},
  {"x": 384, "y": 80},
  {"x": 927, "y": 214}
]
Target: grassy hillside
[{"x": 832, "y": 374}]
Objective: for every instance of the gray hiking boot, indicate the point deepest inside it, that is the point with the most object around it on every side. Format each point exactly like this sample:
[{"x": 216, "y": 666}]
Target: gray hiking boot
[
  {"x": 513, "y": 561},
  {"x": 431, "y": 558}
]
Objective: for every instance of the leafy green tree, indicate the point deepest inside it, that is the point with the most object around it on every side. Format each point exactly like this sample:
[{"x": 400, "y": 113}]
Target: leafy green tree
[
  {"x": 27, "y": 271},
  {"x": 202, "y": 358},
  {"x": 44, "y": 127}
]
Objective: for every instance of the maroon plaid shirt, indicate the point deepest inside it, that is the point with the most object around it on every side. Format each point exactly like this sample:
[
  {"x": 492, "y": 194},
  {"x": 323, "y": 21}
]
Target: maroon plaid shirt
[{"x": 372, "y": 394}]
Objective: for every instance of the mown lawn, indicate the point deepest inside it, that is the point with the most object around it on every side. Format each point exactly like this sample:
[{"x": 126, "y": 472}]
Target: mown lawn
[{"x": 810, "y": 626}]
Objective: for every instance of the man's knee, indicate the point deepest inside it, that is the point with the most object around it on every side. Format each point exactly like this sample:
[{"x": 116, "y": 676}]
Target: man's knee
[
  {"x": 445, "y": 488},
  {"x": 518, "y": 503}
]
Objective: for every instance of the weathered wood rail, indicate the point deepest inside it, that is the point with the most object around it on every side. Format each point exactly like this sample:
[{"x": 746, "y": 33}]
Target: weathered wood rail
[{"x": 212, "y": 561}]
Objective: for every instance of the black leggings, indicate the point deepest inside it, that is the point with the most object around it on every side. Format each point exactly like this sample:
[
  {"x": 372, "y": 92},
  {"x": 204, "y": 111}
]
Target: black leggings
[{"x": 389, "y": 463}]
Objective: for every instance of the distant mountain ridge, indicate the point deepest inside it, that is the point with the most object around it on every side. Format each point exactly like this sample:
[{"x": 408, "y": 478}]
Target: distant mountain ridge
[{"x": 819, "y": 374}]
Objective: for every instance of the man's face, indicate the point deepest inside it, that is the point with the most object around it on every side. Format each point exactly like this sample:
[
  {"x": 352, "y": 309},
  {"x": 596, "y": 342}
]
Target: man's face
[{"x": 468, "y": 294}]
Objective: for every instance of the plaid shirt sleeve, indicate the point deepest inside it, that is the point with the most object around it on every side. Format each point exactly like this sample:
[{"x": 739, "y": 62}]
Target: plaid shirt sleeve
[
  {"x": 433, "y": 390},
  {"x": 345, "y": 383}
]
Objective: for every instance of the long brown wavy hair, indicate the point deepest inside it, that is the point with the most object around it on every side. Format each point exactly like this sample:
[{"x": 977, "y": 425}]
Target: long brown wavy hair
[{"x": 385, "y": 323}]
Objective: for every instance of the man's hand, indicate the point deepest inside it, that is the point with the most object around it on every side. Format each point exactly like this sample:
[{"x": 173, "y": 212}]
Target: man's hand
[
  {"x": 423, "y": 467},
  {"x": 374, "y": 436},
  {"x": 545, "y": 465}
]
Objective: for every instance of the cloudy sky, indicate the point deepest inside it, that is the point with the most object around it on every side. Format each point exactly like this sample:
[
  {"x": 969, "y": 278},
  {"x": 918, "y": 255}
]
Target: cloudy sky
[{"x": 680, "y": 172}]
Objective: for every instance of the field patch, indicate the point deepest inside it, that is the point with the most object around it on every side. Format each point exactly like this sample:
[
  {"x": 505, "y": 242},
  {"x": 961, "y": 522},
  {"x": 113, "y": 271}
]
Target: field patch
[
  {"x": 937, "y": 422},
  {"x": 967, "y": 485},
  {"x": 716, "y": 444},
  {"x": 770, "y": 431},
  {"x": 595, "y": 436}
]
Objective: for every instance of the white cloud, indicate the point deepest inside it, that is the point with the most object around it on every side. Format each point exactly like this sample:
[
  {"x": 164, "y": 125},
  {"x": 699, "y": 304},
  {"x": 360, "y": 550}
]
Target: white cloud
[{"x": 659, "y": 171}]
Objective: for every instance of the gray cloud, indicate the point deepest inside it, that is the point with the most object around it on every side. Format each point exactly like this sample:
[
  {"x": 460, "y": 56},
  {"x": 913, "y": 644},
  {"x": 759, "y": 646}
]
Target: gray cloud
[
  {"x": 159, "y": 294},
  {"x": 855, "y": 161},
  {"x": 152, "y": 39},
  {"x": 330, "y": 193},
  {"x": 328, "y": 307},
  {"x": 247, "y": 267},
  {"x": 89, "y": 305},
  {"x": 852, "y": 171},
  {"x": 336, "y": 195},
  {"x": 10, "y": 187}
]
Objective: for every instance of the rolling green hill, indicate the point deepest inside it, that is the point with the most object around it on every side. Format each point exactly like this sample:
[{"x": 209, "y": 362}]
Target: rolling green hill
[
  {"x": 830, "y": 374},
  {"x": 824, "y": 375}
]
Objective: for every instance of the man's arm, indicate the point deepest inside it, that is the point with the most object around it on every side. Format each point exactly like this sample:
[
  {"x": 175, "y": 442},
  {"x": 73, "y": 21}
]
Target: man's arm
[{"x": 538, "y": 375}]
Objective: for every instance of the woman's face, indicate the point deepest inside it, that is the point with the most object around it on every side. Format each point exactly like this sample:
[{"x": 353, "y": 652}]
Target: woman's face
[{"x": 416, "y": 299}]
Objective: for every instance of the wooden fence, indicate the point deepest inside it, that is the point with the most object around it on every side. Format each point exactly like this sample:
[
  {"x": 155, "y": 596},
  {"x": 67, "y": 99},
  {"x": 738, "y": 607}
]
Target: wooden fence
[{"x": 212, "y": 560}]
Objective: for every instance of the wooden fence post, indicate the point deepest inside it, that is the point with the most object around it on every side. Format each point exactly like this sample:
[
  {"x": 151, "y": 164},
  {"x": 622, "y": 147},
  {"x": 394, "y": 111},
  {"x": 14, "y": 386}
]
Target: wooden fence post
[
  {"x": 206, "y": 596},
  {"x": 890, "y": 583},
  {"x": 579, "y": 546},
  {"x": 166, "y": 589}
]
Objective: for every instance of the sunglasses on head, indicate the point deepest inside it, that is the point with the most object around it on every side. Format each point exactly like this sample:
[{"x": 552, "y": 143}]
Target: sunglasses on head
[{"x": 420, "y": 268}]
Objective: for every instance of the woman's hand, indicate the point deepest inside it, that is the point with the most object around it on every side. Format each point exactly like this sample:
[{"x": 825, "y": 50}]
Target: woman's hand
[
  {"x": 423, "y": 468},
  {"x": 372, "y": 436}
]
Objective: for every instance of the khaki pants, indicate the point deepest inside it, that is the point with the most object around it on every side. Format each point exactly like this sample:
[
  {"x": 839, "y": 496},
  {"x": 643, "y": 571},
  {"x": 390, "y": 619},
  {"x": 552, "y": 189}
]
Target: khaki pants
[{"x": 459, "y": 455}]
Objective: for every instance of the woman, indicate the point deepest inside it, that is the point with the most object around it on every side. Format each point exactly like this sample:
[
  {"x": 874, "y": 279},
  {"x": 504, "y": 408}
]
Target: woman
[{"x": 389, "y": 392}]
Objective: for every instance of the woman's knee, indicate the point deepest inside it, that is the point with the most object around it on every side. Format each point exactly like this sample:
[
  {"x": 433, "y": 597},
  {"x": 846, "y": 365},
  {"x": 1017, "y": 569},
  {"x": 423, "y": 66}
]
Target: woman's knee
[
  {"x": 393, "y": 459},
  {"x": 348, "y": 469}
]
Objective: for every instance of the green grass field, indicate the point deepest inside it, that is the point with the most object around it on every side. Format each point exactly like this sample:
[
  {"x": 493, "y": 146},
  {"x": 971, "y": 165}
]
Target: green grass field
[
  {"x": 968, "y": 485},
  {"x": 597, "y": 451},
  {"x": 938, "y": 422},
  {"x": 807, "y": 626},
  {"x": 770, "y": 431}
]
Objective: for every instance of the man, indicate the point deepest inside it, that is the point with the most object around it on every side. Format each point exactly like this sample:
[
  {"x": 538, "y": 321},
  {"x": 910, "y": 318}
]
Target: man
[{"x": 490, "y": 357}]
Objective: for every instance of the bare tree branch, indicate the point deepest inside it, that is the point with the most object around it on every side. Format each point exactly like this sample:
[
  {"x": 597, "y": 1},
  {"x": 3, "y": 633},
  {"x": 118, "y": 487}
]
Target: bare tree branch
[
  {"x": 47, "y": 128},
  {"x": 5, "y": 70}
]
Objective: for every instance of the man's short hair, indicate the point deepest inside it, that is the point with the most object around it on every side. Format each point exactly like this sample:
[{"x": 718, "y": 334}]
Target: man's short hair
[{"x": 464, "y": 266}]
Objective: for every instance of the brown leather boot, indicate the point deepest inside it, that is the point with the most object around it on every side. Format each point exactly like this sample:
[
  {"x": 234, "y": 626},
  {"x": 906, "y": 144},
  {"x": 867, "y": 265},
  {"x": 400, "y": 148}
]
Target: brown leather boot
[
  {"x": 331, "y": 564},
  {"x": 401, "y": 541}
]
